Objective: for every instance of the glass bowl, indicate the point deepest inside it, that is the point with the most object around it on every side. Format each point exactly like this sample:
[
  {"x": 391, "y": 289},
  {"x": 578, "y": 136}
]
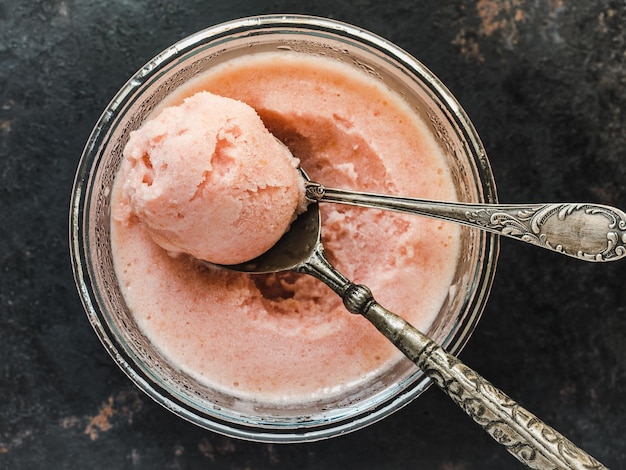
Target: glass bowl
[{"x": 90, "y": 225}]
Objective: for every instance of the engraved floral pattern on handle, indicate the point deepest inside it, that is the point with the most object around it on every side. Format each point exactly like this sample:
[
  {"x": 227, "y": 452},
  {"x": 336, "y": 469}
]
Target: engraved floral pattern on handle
[
  {"x": 529, "y": 224},
  {"x": 524, "y": 435}
]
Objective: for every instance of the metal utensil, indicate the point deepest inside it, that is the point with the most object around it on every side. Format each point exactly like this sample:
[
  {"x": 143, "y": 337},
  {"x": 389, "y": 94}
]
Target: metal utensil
[
  {"x": 590, "y": 232},
  {"x": 526, "y": 437}
]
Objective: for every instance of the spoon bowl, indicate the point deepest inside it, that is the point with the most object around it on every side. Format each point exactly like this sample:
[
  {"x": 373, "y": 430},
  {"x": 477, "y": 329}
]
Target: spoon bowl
[{"x": 295, "y": 247}]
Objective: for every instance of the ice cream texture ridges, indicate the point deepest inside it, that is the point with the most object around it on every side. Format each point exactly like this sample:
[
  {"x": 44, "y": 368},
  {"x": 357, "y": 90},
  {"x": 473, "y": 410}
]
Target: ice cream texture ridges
[{"x": 206, "y": 178}]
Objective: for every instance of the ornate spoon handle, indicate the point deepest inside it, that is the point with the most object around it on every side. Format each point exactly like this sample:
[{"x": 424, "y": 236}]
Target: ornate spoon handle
[
  {"x": 526, "y": 437},
  {"x": 590, "y": 232}
]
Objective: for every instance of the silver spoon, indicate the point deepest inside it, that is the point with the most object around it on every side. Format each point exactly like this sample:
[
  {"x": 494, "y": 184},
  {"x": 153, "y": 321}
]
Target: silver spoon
[
  {"x": 590, "y": 232},
  {"x": 526, "y": 437}
]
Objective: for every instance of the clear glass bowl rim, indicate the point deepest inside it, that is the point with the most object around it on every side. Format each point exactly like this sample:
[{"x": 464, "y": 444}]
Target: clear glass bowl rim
[{"x": 81, "y": 194}]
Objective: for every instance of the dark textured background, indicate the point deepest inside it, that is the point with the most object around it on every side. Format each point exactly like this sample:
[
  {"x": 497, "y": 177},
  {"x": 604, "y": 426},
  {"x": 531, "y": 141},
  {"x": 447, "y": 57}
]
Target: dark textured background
[{"x": 545, "y": 85}]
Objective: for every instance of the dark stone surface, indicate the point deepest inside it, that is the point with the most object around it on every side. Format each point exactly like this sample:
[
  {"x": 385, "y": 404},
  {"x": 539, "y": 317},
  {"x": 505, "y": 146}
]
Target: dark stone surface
[{"x": 545, "y": 85}]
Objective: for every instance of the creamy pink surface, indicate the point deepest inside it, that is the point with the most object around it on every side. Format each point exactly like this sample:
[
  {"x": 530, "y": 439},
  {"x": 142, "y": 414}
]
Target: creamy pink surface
[
  {"x": 286, "y": 338},
  {"x": 206, "y": 178}
]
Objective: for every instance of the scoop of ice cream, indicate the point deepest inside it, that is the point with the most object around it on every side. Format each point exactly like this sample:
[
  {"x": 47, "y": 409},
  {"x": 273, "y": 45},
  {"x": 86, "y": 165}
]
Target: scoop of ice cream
[{"x": 208, "y": 179}]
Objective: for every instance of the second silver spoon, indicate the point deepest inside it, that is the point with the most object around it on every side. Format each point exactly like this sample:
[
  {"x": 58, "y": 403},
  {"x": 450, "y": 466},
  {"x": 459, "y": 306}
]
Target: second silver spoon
[
  {"x": 530, "y": 440},
  {"x": 590, "y": 232}
]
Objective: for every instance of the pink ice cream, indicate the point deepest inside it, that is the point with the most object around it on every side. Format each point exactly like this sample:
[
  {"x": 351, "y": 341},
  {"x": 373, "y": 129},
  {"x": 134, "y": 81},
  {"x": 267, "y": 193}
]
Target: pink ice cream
[
  {"x": 286, "y": 338},
  {"x": 207, "y": 178}
]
